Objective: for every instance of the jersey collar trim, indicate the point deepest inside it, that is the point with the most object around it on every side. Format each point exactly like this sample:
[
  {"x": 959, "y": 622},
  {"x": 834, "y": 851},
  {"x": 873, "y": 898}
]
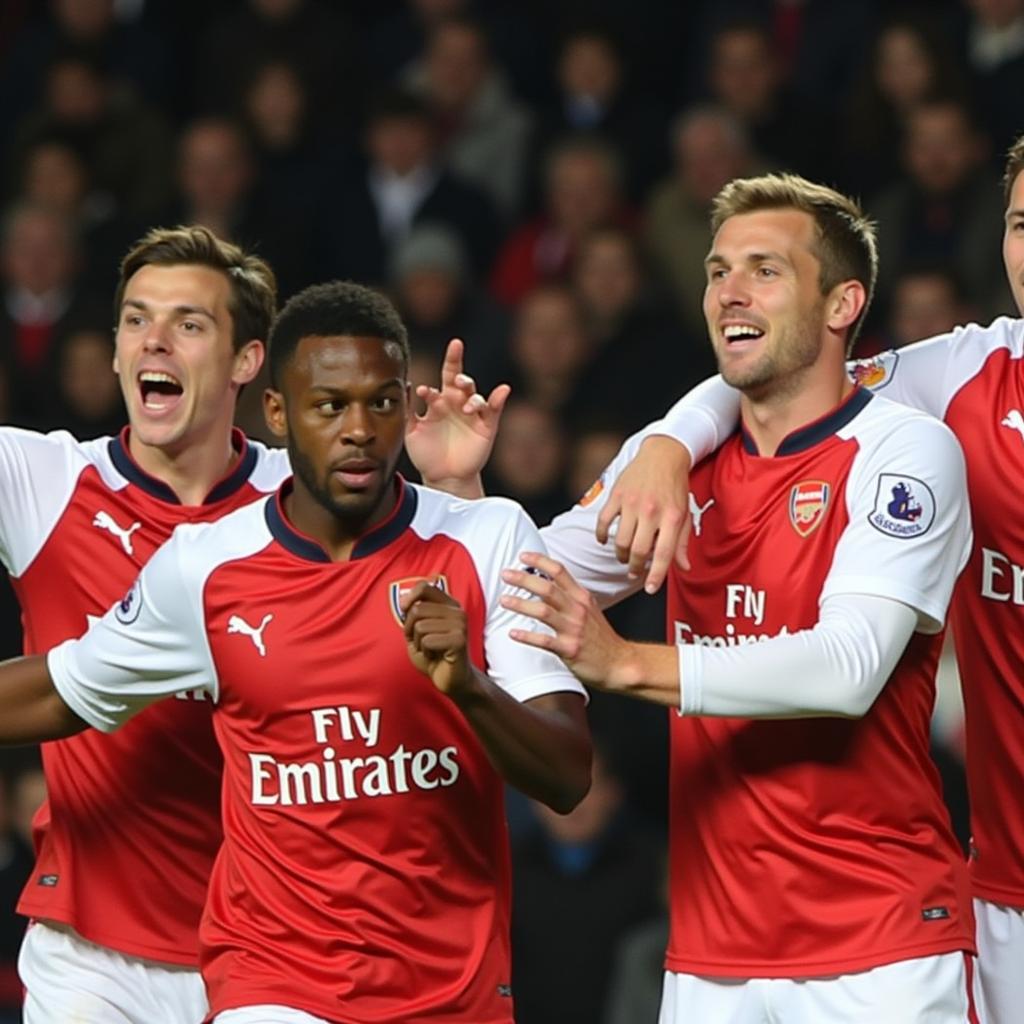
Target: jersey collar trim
[
  {"x": 305, "y": 547},
  {"x": 120, "y": 456},
  {"x": 818, "y": 430}
]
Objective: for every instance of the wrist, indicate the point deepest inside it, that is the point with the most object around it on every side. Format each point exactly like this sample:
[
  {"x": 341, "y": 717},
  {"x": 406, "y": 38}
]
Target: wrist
[{"x": 666, "y": 446}]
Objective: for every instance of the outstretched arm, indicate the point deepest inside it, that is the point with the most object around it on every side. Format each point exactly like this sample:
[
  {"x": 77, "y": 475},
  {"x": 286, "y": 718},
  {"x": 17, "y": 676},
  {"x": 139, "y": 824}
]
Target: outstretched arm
[
  {"x": 540, "y": 746},
  {"x": 452, "y": 441},
  {"x": 33, "y": 710}
]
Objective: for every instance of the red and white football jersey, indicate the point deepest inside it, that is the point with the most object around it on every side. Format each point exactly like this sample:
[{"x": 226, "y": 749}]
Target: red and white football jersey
[
  {"x": 809, "y": 846},
  {"x": 973, "y": 379},
  {"x": 126, "y": 840},
  {"x": 364, "y": 875}
]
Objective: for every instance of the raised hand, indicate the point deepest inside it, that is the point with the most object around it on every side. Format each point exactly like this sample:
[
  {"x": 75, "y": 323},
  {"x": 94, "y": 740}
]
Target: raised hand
[
  {"x": 650, "y": 500},
  {"x": 435, "y": 636},
  {"x": 452, "y": 440}
]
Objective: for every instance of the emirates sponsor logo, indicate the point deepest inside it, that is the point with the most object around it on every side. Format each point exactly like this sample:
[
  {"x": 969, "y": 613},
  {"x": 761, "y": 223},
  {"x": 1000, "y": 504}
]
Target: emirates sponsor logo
[
  {"x": 332, "y": 776},
  {"x": 1001, "y": 579}
]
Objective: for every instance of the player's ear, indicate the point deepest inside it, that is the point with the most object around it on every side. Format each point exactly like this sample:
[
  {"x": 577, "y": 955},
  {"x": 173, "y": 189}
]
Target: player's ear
[
  {"x": 274, "y": 412},
  {"x": 248, "y": 360},
  {"x": 844, "y": 304}
]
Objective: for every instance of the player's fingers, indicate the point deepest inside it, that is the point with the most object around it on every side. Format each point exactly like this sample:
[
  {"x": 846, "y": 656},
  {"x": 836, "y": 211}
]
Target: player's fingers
[
  {"x": 683, "y": 544},
  {"x": 626, "y": 531},
  {"x": 555, "y": 571},
  {"x": 474, "y": 404},
  {"x": 498, "y": 397},
  {"x": 543, "y": 641},
  {"x": 451, "y": 367},
  {"x": 437, "y": 642},
  {"x": 640, "y": 550},
  {"x": 607, "y": 516}
]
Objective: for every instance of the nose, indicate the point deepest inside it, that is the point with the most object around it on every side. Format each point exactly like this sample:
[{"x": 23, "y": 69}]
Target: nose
[
  {"x": 157, "y": 337},
  {"x": 357, "y": 424},
  {"x": 732, "y": 290}
]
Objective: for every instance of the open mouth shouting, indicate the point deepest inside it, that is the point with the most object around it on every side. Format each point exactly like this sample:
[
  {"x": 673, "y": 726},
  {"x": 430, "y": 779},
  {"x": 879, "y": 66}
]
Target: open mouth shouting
[{"x": 160, "y": 391}]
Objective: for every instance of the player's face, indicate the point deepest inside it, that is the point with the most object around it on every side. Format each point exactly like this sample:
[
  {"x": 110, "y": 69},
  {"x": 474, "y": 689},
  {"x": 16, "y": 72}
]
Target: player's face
[
  {"x": 343, "y": 405},
  {"x": 763, "y": 301},
  {"x": 179, "y": 372},
  {"x": 1013, "y": 242}
]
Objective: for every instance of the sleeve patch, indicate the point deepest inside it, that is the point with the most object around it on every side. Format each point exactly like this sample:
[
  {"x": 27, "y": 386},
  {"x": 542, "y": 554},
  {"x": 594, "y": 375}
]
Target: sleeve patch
[
  {"x": 876, "y": 372},
  {"x": 904, "y": 506},
  {"x": 127, "y": 610}
]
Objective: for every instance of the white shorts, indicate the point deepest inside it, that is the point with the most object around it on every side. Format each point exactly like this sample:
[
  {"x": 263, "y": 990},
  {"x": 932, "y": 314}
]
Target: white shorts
[
  {"x": 999, "y": 978},
  {"x": 929, "y": 990},
  {"x": 267, "y": 1014},
  {"x": 68, "y": 979}
]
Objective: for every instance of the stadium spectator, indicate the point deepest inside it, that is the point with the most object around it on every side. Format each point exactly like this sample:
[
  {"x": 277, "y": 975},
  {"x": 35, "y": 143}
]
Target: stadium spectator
[
  {"x": 483, "y": 131},
  {"x": 218, "y": 186},
  {"x": 582, "y": 182},
  {"x": 631, "y": 330},
  {"x": 709, "y": 149},
  {"x": 595, "y": 95},
  {"x": 433, "y": 288},
  {"x": 947, "y": 209},
  {"x": 125, "y": 143},
  {"x": 402, "y": 183},
  {"x": 529, "y": 460}
]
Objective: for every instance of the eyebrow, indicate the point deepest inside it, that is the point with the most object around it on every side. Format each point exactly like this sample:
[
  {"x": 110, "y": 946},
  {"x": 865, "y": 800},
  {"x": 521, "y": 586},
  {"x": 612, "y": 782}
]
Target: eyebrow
[
  {"x": 181, "y": 310},
  {"x": 395, "y": 382},
  {"x": 753, "y": 257},
  {"x": 1011, "y": 214}
]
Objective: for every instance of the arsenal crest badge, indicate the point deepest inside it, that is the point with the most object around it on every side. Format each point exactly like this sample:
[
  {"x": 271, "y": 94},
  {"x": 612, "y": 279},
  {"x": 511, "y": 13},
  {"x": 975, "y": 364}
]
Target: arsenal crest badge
[
  {"x": 808, "y": 502},
  {"x": 399, "y": 588}
]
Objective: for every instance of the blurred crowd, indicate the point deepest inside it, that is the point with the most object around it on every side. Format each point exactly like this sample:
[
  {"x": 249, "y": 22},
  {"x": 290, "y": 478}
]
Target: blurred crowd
[{"x": 533, "y": 177}]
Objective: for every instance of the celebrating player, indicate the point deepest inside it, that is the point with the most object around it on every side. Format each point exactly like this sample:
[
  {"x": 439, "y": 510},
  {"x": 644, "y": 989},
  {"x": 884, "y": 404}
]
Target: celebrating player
[
  {"x": 126, "y": 840},
  {"x": 814, "y": 873},
  {"x": 973, "y": 379},
  {"x": 342, "y": 629}
]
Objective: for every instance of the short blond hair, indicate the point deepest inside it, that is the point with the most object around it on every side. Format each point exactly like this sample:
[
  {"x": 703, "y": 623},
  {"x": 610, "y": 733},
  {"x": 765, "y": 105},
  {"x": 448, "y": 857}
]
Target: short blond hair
[{"x": 846, "y": 245}]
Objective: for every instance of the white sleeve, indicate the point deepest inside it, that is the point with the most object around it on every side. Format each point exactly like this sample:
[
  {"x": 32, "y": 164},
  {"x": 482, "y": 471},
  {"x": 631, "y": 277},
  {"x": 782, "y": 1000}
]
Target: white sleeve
[
  {"x": 150, "y": 645},
  {"x": 37, "y": 477},
  {"x": 837, "y": 668},
  {"x": 522, "y": 671},
  {"x": 702, "y": 419},
  {"x": 915, "y": 375},
  {"x": 571, "y": 540},
  {"x": 908, "y": 534}
]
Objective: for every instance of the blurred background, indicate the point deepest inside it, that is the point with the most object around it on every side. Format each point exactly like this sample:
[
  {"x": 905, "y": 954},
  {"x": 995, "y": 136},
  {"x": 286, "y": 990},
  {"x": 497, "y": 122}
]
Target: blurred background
[{"x": 535, "y": 178}]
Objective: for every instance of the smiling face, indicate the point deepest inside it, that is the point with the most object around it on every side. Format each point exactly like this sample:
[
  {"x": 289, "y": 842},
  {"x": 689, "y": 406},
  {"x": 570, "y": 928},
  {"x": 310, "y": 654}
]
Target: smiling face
[
  {"x": 763, "y": 301},
  {"x": 180, "y": 373},
  {"x": 1013, "y": 242},
  {"x": 343, "y": 406}
]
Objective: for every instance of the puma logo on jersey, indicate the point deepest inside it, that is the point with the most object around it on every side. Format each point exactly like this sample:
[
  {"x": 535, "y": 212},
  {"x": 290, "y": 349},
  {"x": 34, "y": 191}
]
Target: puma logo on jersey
[
  {"x": 1015, "y": 421},
  {"x": 697, "y": 512},
  {"x": 104, "y": 521},
  {"x": 236, "y": 624}
]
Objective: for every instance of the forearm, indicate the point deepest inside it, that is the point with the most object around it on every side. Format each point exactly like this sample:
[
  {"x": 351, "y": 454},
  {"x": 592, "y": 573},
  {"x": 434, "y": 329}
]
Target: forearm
[
  {"x": 702, "y": 419},
  {"x": 33, "y": 711},
  {"x": 541, "y": 746},
  {"x": 836, "y": 669}
]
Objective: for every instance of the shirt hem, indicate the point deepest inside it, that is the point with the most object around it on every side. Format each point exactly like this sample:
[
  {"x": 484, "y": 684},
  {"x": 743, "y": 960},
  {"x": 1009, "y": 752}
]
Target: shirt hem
[
  {"x": 1012, "y": 898},
  {"x": 261, "y": 998},
  {"x": 818, "y": 969},
  {"x": 140, "y": 951}
]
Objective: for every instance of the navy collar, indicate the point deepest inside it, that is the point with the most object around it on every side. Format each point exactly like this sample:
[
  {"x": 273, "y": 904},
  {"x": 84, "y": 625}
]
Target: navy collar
[
  {"x": 817, "y": 430},
  {"x": 371, "y": 542},
  {"x": 120, "y": 455}
]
